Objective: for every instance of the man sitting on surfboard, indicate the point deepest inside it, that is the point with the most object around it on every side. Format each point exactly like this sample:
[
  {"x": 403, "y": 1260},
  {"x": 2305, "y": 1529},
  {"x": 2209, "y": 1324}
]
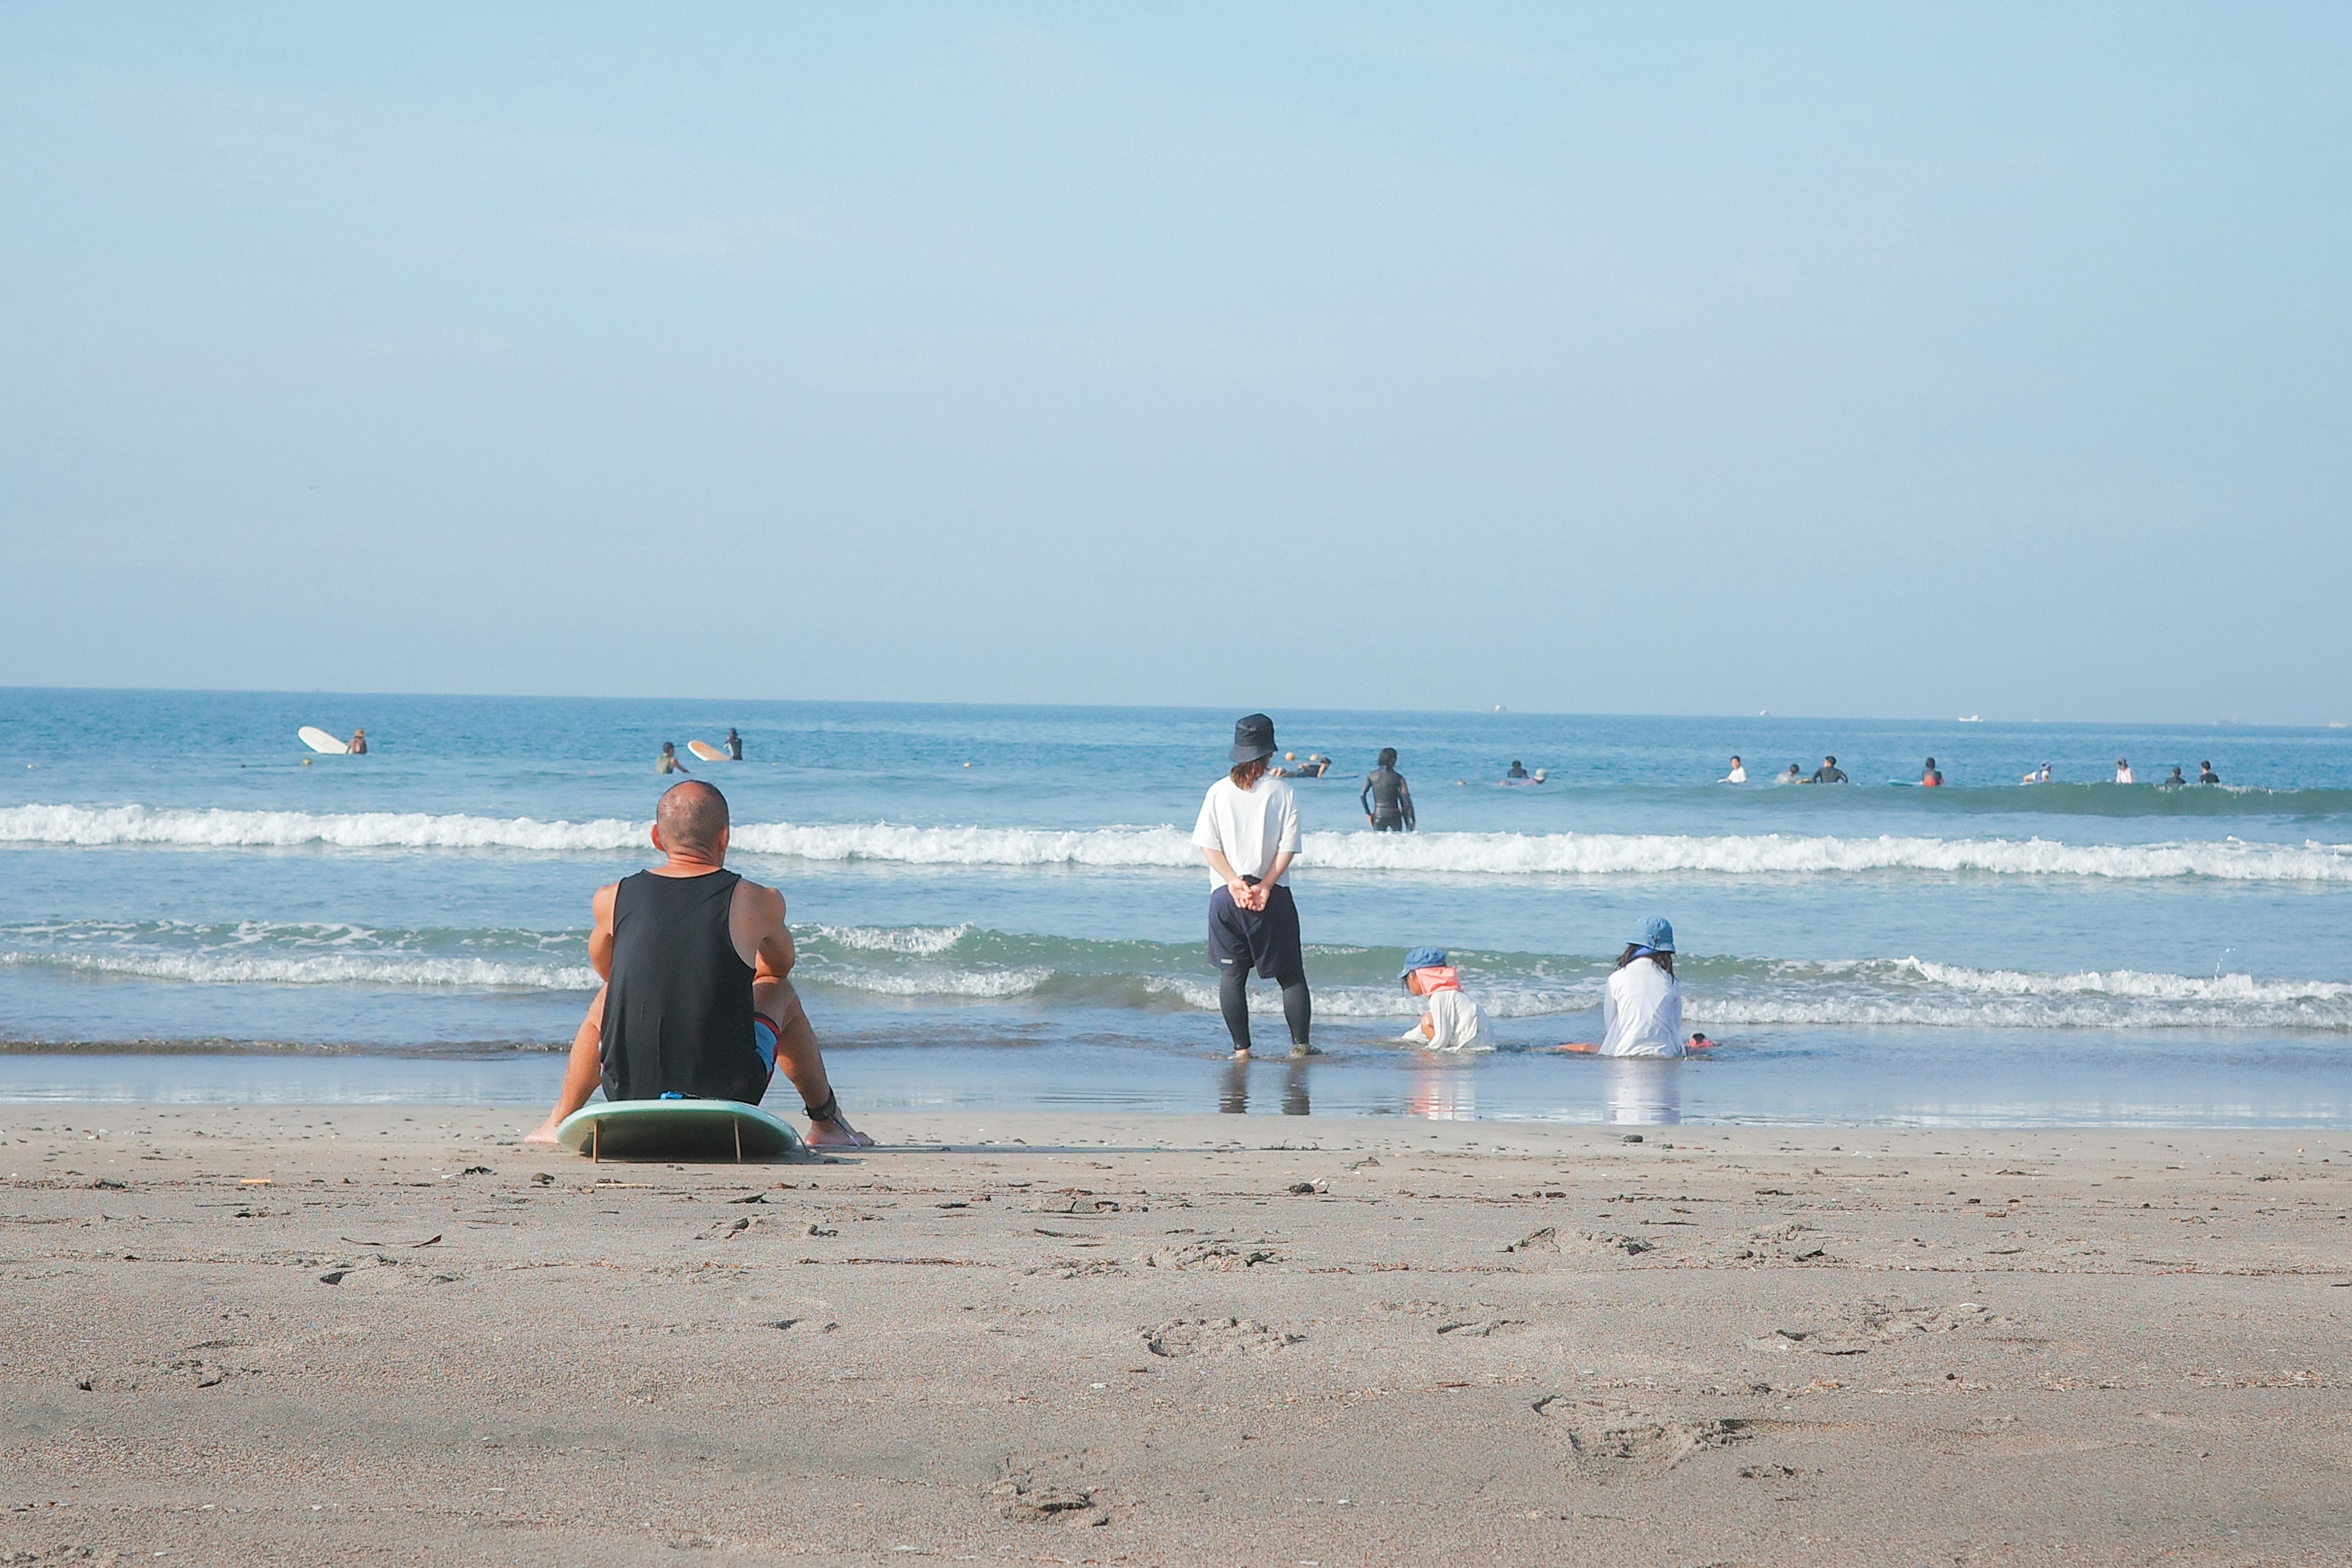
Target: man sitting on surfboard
[{"x": 695, "y": 1001}]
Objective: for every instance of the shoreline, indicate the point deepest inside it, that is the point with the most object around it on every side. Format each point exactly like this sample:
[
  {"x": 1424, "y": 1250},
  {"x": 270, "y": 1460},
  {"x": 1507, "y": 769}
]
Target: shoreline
[{"x": 1096, "y": 1337}]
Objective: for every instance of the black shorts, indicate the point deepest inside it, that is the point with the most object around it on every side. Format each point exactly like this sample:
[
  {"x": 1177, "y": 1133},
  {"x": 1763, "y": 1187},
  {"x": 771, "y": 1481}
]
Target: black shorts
[{"x": 1265, "y": 940}]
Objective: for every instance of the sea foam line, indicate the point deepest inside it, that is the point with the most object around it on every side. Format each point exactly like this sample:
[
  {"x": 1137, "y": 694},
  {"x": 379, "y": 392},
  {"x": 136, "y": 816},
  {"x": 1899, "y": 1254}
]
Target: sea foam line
[
  {"x": 1475, "y": 854},
  {"x": 224, "y": 968}
]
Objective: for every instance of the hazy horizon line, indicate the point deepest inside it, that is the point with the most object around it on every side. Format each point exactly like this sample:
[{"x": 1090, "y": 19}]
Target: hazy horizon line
[{"x": 1494, "y": 709}]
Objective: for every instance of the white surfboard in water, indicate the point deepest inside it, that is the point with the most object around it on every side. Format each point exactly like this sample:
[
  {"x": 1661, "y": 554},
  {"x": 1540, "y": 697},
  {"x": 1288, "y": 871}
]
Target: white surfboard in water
[{"x": 318, "y": 740}]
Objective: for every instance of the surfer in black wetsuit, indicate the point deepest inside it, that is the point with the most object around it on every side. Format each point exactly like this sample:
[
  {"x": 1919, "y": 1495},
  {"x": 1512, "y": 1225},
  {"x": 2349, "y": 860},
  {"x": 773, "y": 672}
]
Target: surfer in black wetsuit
[
  {"x": 1387, "y": 802},
  {"x": 2205, "y": 773},
  {"x": 1517, "y": 771},
  {"x": 698, "y": 999},
  {"x": 734, "y": 744}
]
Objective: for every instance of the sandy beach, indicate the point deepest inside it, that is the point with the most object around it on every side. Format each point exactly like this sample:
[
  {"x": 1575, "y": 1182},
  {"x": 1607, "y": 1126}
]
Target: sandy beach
[{"x": 398, "y": 1335}]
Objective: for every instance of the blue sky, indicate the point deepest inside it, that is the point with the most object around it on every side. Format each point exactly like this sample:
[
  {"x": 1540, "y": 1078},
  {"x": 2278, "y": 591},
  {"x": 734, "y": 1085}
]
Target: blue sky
[{"x": 1864, "y": 360}]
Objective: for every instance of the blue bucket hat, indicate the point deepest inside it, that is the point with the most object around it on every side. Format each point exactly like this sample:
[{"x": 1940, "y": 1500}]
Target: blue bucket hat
[
  {"x": 1421, "y": 958},
  {"x": 1656, "y": 935}
]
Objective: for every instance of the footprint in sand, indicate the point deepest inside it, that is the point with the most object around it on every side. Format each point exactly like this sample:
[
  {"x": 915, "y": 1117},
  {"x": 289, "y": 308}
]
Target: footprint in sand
[
  {"x": 1052, "y": 1488},
  {"x": 1606, "y": 1442},
  {"x": 1870, "y": 1323},
  {"x": 1549, "y": 1239},
  {"x": 1195, "y": 1336},
  {"x": 1222, "y": 1256}
]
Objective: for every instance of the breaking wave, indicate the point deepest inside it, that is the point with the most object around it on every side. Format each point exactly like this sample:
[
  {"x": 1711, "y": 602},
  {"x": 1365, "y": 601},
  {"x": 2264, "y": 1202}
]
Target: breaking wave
[
  {"x": 950, "y": 964},
  {"x": 1449, "y": 854}
]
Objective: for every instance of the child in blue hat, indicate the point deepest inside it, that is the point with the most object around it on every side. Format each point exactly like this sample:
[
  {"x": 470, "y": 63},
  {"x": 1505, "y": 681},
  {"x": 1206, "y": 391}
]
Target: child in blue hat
[{"x": 1454, "y": 1022}]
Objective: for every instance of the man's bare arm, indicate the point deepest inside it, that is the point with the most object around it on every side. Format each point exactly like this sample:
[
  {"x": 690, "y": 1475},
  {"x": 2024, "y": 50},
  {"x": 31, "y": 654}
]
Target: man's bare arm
[
  {"x": 600, "y": 931},
  {"x": 775, "y": 955}
]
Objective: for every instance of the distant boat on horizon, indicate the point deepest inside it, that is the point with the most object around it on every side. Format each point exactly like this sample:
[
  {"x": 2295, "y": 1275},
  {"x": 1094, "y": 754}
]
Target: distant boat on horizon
[{"x": 1969, "y": 718}]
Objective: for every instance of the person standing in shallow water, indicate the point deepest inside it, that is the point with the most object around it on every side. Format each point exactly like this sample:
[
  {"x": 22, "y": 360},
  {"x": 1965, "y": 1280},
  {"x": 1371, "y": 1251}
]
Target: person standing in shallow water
[
  {"x": 1387, "y": 801},
  {"x": 1248, "y": 833}
]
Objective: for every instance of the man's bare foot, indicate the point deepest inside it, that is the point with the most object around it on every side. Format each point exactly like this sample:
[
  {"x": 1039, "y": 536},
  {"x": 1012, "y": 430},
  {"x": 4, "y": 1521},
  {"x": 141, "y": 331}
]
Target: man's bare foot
[
  {"x": 1241, "y": 1054},
  {"x": 544, "y": 1133},
  {"x": 835, "y": 1133}
]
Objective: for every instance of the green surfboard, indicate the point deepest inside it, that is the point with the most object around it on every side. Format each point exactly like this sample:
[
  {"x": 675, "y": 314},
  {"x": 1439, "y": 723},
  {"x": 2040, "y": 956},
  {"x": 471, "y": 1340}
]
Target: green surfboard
[{"x": 676, "y": 1130}]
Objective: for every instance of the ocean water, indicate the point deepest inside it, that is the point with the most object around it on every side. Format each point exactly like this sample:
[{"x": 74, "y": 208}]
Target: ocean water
[{"x": 1001, "y": 906}]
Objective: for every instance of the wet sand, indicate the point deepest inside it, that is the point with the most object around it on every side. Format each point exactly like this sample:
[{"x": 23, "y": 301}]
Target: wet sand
[{"x": 1172, "y": 1340}]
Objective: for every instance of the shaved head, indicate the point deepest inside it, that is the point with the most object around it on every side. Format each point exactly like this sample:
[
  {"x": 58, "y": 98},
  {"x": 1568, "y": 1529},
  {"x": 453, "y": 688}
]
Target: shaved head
[{"x": 691, "y": 817}]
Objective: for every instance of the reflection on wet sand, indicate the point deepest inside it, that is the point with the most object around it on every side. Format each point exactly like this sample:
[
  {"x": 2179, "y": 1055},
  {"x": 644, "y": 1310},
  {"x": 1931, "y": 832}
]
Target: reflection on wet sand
[
  {"x": 1643, "y": 1091},
  {"x": 1445, "y": 1093},
  {"x": 1233, "y": 1094}
]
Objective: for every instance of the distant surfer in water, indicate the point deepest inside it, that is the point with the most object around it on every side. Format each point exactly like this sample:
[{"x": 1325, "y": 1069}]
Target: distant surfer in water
[
  {"x": 2042, "y": 778},
  {"x": 2205, "y": 773},
  {"x": 1792, "y": 777},
  {"x": 359, "y": 743},
  {"x": 1828, "y": 773},
  {"x": 698, "y": 999},
  {"x": 1248, "y": 832},
  {"x": 2172, "y": 780},
  {"x": 1517, "y": 771},
  {"x": 667, "y": 761},
  {"x": 1928, "y": 777},
  {"x": 734, "y": 745},
  {"x": 1739, "y": 774},
  {"x": 1386, "y": 800},
  {"x": 2123, "y": 772}
]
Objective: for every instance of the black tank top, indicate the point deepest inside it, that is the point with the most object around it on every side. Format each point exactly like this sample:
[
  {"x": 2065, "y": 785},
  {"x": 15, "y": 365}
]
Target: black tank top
[{"x": 678, "y": 1010}]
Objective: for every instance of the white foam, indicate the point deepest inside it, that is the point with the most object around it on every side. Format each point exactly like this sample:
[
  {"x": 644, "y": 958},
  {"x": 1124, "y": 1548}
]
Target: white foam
[
  {"x": 915, "y": 942},
  {"x": 1472, "y": 854},
  {"x": 339, "y": 969},
  {"x": 985, "y": 984},
  {"x": 2132, "y": 983},
  {"x": 219, "y": 829}
]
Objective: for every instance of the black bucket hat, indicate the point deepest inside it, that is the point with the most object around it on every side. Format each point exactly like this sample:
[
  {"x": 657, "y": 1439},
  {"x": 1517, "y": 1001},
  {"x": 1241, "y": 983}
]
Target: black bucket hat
[{"x": 1253, "y": 738}]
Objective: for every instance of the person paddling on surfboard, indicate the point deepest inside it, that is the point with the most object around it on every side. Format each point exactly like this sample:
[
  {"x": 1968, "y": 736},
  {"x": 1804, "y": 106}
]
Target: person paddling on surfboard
[{"x": 696, "y": 999}]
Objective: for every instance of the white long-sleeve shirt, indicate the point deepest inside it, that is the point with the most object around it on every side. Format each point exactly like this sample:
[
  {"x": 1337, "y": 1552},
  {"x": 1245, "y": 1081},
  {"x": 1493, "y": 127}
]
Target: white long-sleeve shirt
[
  {"x": 1457, "y": 1024},
  {"x": 1643, "y": 1012}
]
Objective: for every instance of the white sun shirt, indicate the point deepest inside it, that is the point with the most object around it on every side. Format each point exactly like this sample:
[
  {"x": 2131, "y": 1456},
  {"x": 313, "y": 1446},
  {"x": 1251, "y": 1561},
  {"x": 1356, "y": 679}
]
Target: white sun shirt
[
  {"x": 1456, "y": 1023},
  {"x": 1248, "y": 826},
  {"x": 1643, "y": 1012}
]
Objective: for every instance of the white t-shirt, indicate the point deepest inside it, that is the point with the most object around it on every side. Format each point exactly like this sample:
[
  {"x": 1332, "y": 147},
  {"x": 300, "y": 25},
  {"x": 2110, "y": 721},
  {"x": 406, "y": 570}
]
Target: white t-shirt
[
  {"x": 1248, "y": 826},
  {"x": 1457, "y": 1024},
  {"x": 1738, "y": 775},
  {"x": 1643, "y": 1012},
  {"x": 2124, "y": 776}
]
